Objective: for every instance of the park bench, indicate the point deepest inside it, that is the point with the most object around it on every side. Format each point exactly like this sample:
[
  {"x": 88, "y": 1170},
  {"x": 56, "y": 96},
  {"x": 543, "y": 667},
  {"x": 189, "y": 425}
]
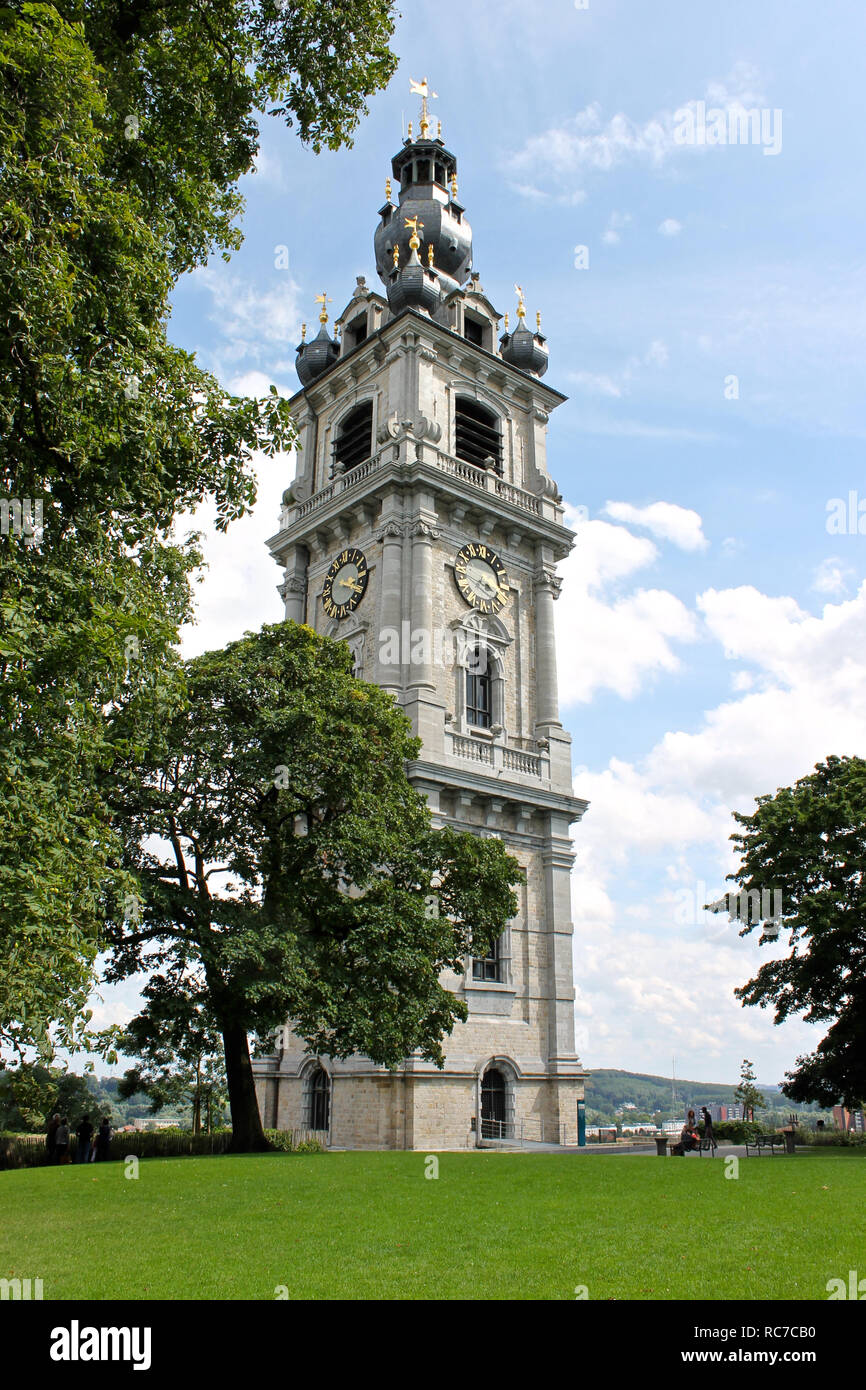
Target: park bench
[
  {"x": 706, "y": 1146},
  {"x": 762, "y": 1142}
]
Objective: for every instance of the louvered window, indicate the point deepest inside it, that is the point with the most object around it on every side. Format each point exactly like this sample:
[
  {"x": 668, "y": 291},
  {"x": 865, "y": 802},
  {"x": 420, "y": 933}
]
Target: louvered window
[
  {"x": 477, "y": 436},
  {"x": 354, "y": 439}
]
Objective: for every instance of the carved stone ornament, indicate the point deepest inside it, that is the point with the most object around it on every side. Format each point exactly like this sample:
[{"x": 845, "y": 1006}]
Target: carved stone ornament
[{"x": 548, "y": 579}]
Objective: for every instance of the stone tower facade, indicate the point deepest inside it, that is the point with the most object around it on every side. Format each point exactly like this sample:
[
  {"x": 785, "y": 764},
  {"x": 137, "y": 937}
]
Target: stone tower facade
[{"x": 424, "y": 529}]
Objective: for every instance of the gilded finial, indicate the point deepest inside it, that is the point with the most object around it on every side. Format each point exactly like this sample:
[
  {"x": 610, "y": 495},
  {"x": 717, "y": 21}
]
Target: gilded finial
[
  {"x": 396, "y": 257},
  {"x": 506, "y": 323},
  {"x": 410, "y": 130},
  {"x": 454, "y": 185},
  {"x": 538, "y": 322},
  {"x": 414, "y": 240},
  {"x": 324, "y": 301},
  {"x": 439, "y": 131},
  {"x": 422, "y": 89},
  {"x": 387, "y": 190},
  {"x": 521, "y": 304},
  {"x": 430, "y": 255},
  {"x": 303, "y": 332}
]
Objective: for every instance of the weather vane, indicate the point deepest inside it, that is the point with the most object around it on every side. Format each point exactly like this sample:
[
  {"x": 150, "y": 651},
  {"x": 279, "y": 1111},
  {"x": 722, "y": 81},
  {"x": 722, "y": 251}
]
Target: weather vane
[
  {"x": 422, "y": 89},
  {"x": 323, "y": 300},
  {"x": 414, "y": 240}
]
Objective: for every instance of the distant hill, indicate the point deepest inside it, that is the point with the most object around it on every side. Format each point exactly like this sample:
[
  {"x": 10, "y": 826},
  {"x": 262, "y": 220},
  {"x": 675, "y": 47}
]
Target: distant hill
[{"x": 608, "y": 1090}]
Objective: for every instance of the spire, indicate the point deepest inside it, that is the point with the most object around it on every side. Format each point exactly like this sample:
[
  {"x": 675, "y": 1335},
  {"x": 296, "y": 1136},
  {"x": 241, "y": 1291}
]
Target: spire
[
  {"x": 523, "y": 348},
  {"x": 422, "y": 90},
  {"x": 316, "y": 357},
  {"x": 423, "y": 172}
]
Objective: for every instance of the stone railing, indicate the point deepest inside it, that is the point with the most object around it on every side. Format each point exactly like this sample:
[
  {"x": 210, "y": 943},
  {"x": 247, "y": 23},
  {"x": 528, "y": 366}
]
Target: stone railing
[
  {"x": 498, "y": 757},
  {"x": 486, "y": 480},
  {"x": 482, "y": 479},
  {"x": 472, "y": 749}
]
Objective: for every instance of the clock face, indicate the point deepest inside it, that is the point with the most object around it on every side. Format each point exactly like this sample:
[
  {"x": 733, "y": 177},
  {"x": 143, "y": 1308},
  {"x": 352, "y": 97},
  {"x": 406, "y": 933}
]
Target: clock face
[
  {"x": 345, "y": 583},
  {"x": 481, "y": 577}
]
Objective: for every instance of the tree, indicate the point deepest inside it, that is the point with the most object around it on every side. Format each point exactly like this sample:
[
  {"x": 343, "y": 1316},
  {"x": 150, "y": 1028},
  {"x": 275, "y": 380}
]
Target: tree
[
  {"x": 747, "y": 1093},
  {"x": 30, "y": 1095},
  {"x": 179, "y": 1051},
  {"x": 300, "y": 876},
  {"x": 809, "y": 841},
  {"x": 124, "y": 128}
]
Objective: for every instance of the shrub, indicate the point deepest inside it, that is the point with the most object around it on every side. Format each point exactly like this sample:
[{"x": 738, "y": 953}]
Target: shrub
[
  {"x": 737, "y": 1131},
  {"x": 28, "y": 1150},
  {"x": 831, "y": 1138}
]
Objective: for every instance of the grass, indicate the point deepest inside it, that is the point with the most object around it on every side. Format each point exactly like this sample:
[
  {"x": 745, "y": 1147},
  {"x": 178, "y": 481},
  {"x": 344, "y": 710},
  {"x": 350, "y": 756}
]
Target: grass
[{"x": 492, "y": 1226}]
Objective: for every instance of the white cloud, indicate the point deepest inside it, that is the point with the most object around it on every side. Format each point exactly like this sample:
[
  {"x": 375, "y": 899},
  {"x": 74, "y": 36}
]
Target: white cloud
[
  {"x": 614, "y": 643},
  {"x": 833, "y": 576},
  {"x": 615, "y": 224},
  {"x": 252, "y": 320},
  {"x": 595, "y": 383},
  {"x": 657, "y": 827},
  {"x": 587, "y": 143},
  {"x": 670, "y": 227},
  {"x": 666, "y": 520},
  {"x": 237, "y": 592}
]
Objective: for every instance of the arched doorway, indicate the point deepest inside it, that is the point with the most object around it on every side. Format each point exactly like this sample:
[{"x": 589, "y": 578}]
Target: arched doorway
[{"x": 494, "y": 1104}]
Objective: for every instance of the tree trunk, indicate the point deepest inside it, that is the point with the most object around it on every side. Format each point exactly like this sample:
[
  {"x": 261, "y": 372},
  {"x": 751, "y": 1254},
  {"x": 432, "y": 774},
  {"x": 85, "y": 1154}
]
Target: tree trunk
[
  {"x": 196, "y": 1114},
  {"x": 247, "y": 1133}
]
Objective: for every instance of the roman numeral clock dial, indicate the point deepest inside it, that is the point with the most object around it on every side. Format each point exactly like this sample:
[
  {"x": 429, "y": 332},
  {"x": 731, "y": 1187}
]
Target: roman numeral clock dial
[
  {"x": 481, "y": 577},
  {"x": 345, "y": 583}
]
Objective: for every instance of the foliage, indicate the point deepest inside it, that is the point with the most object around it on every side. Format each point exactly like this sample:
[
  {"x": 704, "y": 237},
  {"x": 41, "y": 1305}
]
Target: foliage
[
  {"x": 124, "y": 129},
  {"x": 296, "y": 876},
  {"x": 30, "y": 1095},
  {"x": 179, "y": 1050},
  {"x": 831, "y": 1138},
  {"x": 737, "y": 1131},
  {"x": 747, "y": 1093},
  {"x": 809, "y": 841}
]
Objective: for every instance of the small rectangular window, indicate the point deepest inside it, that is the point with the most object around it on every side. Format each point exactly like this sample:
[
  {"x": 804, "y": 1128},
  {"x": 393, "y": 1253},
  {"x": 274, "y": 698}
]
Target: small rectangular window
[
  {"x": 357, "y": 331},
  {"x": 473, "y": 331}
]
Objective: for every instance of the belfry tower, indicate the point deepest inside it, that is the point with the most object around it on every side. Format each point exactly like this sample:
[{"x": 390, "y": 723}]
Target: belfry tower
[{"x": 424, "y": 529}]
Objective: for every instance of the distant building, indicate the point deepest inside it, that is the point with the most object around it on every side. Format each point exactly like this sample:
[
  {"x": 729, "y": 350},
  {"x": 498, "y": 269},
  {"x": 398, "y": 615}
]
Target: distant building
[{"x": 849, "y": 1119}]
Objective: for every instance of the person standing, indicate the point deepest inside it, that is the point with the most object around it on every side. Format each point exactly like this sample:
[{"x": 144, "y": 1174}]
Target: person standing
[
  {"x": 61, "y": 1141},
  {"x": 51, "y": 1138},
  {"x": 708, "y": 1126},
  {"x": 85, "y": 1138},
  {"x": 103, "y": 1141}
]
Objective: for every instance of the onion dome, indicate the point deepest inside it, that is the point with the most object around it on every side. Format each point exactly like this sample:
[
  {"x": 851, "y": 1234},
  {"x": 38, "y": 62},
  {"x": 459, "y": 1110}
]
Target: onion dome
[
  {"x": 316, "y": 357},
  {"x": 426, "y": 174},
  {"x": 523, "y": 348}
]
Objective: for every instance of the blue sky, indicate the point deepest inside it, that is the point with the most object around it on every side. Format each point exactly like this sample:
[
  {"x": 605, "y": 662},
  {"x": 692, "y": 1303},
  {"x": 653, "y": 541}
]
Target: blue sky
[{"x": 711, "y": 628}]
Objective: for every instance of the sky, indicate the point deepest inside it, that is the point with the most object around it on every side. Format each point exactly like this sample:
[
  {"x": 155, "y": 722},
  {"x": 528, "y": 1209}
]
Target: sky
[{"x": 703, "y": 298}]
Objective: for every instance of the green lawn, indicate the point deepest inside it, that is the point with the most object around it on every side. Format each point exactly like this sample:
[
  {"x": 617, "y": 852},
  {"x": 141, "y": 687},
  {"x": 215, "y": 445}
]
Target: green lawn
[{"x": 362, "y": 1225}]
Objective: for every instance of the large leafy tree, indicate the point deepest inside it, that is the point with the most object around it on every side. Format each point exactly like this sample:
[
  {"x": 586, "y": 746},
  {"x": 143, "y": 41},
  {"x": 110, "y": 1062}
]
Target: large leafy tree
[
  {"x": 288, "y": 868},
  {"x": 809, "y": 841},
  {"x": 124, "y": 128}
]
